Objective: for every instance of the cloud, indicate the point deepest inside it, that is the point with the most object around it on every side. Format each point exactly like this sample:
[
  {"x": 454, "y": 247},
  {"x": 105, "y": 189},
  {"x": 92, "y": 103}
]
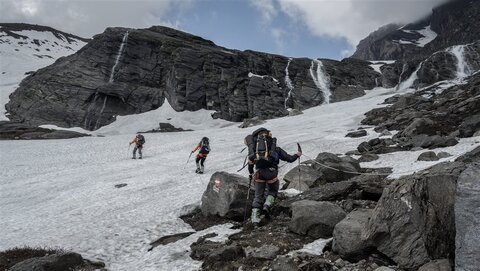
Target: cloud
[
  {"x": 266, "y": 8},
  {"x": 88, "y": 17},
  {"x": 350, "y": 19},
  {"x": 279, "y": 38}
]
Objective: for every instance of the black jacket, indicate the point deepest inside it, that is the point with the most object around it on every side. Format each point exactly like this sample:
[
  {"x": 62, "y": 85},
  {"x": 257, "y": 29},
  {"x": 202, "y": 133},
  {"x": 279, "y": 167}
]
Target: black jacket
[{"x": 280, "y": 154}]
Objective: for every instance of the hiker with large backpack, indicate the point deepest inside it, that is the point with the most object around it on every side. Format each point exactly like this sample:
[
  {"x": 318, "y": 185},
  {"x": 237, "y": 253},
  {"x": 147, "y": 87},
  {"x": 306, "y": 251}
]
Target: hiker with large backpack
[
  {"x": 203, "y": 148},
  {"x": 138, "y": 140},
  {"x": 263, "y": 158}
]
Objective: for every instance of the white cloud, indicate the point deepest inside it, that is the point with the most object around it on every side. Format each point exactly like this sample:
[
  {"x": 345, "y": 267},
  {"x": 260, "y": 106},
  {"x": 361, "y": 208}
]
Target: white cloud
[
  {"x": 351, "y": 19},
  {"x": 267, "y": 9},
  {"x": 278, "y": 37},
  {"x": 89, "y": 17}
]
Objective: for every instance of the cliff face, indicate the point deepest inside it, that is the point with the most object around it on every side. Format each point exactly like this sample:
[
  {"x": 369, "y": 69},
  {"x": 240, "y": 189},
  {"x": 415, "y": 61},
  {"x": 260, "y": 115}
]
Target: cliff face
[
  {"x": 126, "y": 71},
  {"x": 453, "y": 23}
]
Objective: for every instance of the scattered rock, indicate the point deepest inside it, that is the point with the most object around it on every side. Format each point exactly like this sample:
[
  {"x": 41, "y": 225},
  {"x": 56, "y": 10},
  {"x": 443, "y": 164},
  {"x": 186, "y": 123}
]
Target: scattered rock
[
  {"x": 470, "y": 126},
  {"x": 16, "y": 130},
  {"x": 316, "y": 219},
  {"x": 251, "y": 122},
  {"x": 284, "y": 263},
  {"x": 265, "y": 252},
  {"x": 169, "y": 239},
  {"x": 358, "y": 133},
  {"x": 120, "y": 185},
  {"x": 428, "y": 156},
  {"x": 443, "y": 154},
  {"x": 295, "y": 112},
  {"x": 368, "y": 157},
  {"x": 303, "y": 177},
  {"x": 343, "y": 167}
]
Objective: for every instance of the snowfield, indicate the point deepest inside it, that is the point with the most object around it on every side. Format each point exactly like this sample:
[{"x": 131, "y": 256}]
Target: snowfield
[{"x": 61, "y": 193}]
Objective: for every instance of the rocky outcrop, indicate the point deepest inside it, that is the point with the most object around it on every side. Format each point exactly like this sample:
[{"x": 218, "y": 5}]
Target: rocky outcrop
[
  {"x": 225, "y": 196},
  {"x": 414, "y": 219},
  {"x": 14, "y": 130},
  {"x": 126, "y": 71},
  {"x": 467, "y": 219},
  {"x": 450, "y": 24}
]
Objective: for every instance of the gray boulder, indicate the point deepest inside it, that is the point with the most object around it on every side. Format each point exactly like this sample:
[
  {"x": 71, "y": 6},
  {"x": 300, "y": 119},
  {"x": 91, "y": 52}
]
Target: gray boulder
[
  {"x": 54, "y": 262},
  {"x": 428, "y": 156},
  {"x": 225, "y": 196},
  {"x": 368, "y": 157},
  {"x": 265, "y": 252},
  {"x": 467, "y": 219},
  {"x": 347, "y": 236},
  {"x": 437, "y": 265},
  {"x": 443, "y": 154},
  {"x": 343, "y": 167},
  {"x": 413, "y": 221},
  {"x": 316, "y": 219},
  {"x": 16, "y": 130},
  {"x": 470, "y": 126},
  {"x": 358, "y": 133},
  {"x": 303, "y": 177},
  {"x": 251, "y": 122}
]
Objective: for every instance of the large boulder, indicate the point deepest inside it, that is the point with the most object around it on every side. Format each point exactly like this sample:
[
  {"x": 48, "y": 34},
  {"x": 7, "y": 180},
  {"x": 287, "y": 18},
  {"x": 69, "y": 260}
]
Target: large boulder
[
  {"x": 437, "y": 265},
  {"x": 334, "y": 168},
  {"x": 316, "y": 219},
  {"x": 54, "y": 262},
  {"x": 467, "y": 219},
  {"x": 17, "y": 130},
  {"x": 347, "y": 235},
  {"x": 470, "y": 126},
  {"x": 225, "y": 196},
  {"x": 303, "y": 177},
  {"x": 414, "y": 219}
]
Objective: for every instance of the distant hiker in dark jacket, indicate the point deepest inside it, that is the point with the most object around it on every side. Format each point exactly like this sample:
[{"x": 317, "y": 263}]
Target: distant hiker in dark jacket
[
  {"x": 203, "y": 149},
  {"x": 138, "y": 140},
  {"x": 264, "y": 156}
]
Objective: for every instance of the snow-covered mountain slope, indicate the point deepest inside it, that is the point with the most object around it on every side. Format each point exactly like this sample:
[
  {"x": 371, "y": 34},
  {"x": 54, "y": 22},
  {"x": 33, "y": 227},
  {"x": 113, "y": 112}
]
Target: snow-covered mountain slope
[
  {"x": 25, "y": 48},
  {"x": 62, "y": 193}
]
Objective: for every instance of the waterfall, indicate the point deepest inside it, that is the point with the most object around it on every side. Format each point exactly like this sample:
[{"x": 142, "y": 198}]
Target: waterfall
[
  {"x": 321, "y": 80},
  {"x": 101, "y": 112},
  {"x": 288, "y": 82},
  {"x": 410, "y": 80},
  {"x": 119, "y": 55},
  {"x": 463, "y": 70}
]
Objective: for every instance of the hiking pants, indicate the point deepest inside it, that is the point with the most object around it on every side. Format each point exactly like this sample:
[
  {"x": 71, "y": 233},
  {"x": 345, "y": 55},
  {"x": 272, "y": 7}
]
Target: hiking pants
[
  {"x": 139, "y": 147},
  {"x": 264, "y": 175},
  {"x": 201, "y": 160}
]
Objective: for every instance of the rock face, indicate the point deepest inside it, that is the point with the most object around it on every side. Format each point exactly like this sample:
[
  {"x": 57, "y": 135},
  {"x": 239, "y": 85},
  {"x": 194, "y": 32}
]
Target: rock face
[
  {"x": 393, "y": 42},
  {"x": 316, "y": 219},
  {"x": 414, "y": 219},
  {"x": 126, "y": 71},
  {"x": 14, "y": 130},
  {"x": 225, "y": 196},
  {"x": 467, "y": 219}
]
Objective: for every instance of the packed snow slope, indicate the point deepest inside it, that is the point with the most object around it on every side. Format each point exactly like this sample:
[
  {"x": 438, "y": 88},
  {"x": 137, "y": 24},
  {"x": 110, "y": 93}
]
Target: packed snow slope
[
  {"x": 27, "y": 48},
  {"x": 61, "y": 193}
]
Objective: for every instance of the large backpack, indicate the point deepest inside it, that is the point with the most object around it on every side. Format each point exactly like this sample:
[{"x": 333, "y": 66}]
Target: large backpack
[
  {"x": 140, "y": 139},
  {"x": 204, "y": 146},
  {"x": 262, "y": 148}
]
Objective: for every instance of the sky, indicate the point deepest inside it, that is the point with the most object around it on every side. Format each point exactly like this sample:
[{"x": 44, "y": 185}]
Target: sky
[{"x": 295, "y": 28}]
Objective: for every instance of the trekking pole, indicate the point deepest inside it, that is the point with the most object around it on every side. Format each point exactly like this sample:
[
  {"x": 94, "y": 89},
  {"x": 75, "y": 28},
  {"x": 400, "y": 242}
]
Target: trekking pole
[
  {"x": 299, "y": 149},
  {"x": 248, "y": 196},
  {"x": 188, "y": 160}
]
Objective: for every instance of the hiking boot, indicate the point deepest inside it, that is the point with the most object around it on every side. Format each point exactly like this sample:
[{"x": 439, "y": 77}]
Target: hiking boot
[
  {"x": 140, "y": 157},
  {"x": 268, "y": 205},
  {"x": 255, "y": 217}
]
